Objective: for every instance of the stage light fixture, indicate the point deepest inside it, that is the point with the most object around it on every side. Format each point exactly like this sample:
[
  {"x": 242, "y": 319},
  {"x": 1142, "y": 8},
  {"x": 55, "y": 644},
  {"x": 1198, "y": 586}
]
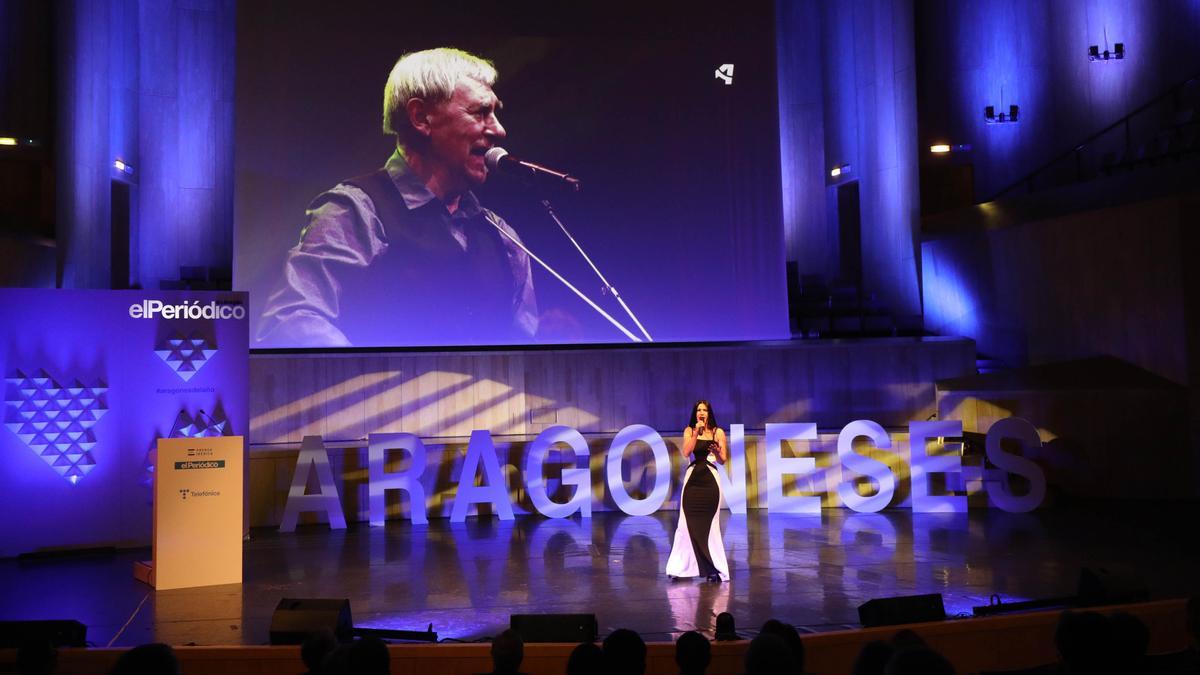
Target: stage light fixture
[
  {"x": 947, "y": 148},
  {"x": 121, "y": 166},
  {"x": 1117, "y": 53},
  {"x": 839, "y": 170},
  {"x": 10, "y": 141},
  {"x": 990, "y": 116}
]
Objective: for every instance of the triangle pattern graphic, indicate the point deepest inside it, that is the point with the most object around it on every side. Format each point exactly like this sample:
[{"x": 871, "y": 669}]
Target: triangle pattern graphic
[
  {"x": 202, "y": 425},
  {"x": 185, "y": 356},
  {"x": 55, "y": 421}
]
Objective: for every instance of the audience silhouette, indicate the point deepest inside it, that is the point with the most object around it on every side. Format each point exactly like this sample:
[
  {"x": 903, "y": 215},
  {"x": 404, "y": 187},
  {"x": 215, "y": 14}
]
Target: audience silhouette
[
  {"x": 1087, "y": 642},
  {"x": 1131, "y": 640},
  {"x": 508, "y": 651},
  {"x": 624, "y": 653},
  {"x": 151, "y": 659},
  {"x": 586, "y": 659},
  {"x": 37, "y": 657},
  {"x": 693, "y": 653},
  {"x": 918, "y": 660},
  {"x": 365, "y": 656},
  {"x": 1085, "y": 645},
  {"x": 316, "y": 648},
  {"x": 768, "y": 654},
  {"x": 1192, "y": 621},
  {"x": 790, "y": 637},
  {"x": 726, "y": 630},
  {"x": 873, "y": 658}
]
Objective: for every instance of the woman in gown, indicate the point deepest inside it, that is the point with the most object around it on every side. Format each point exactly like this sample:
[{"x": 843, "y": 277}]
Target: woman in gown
[{"x": 698, "y": 550}]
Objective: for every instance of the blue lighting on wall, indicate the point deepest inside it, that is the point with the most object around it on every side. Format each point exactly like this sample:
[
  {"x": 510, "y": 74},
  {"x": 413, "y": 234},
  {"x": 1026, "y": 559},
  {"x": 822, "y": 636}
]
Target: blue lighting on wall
[
  {"x": 951, "y": 307},
  {"x": 1005, "y": 57}
]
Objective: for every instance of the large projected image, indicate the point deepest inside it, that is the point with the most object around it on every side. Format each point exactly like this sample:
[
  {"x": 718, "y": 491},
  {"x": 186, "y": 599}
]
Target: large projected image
[{"x": 381, "y": 201}]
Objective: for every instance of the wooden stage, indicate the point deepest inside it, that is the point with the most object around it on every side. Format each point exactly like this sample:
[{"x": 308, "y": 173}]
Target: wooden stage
[{"x": 467, "y": 579}]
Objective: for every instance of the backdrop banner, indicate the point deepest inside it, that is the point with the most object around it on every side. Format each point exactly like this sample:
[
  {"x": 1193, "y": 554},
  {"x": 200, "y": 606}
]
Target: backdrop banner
[{"x": 92, "y": 380}]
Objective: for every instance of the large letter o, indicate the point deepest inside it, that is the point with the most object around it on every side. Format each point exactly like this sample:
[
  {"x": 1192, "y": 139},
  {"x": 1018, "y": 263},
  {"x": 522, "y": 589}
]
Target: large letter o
[{"x": 662, "y": 470}]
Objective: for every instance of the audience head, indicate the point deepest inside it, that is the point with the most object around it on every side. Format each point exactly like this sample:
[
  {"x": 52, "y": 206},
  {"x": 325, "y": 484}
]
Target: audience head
[
  {"x": 507, "y": 652},
  {"x": 1131, "y": 640},
  {"x": 586, "y": 659},
  {"x": 769, "y": 655},
  {"x": 316, "y": 648},
  {"x": 624, "y": 652},
  {"x": 1193, "y": 620},
  {"x": 365, "y": 656},
  {"x": 873, "y": 658},
  {"x": 918, "y": 660},
  {"x": 692, "y": 653},
  {"x": 151, "y": 659},
  {"x": 37, "y": 657},
  {"x": 726, "y": 630},
  {"x": 1085, "y": 642},
  {"x": 907, "y": 638},
  {"x": 790, "y": 637}
]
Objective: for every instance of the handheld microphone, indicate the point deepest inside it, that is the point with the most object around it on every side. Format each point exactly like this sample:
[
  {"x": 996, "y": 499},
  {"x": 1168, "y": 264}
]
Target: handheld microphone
[{"x": 498, "y": 159}]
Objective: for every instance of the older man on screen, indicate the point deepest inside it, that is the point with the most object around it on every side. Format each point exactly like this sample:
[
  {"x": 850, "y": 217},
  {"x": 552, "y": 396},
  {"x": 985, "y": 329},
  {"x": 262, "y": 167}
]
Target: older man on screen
[{"x": 406, "y": 254}]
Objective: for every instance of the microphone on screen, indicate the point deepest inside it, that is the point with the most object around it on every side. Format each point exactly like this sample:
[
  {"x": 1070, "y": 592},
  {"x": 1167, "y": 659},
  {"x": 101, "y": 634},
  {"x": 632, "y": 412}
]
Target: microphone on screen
[{"x": 498, "y": 159}]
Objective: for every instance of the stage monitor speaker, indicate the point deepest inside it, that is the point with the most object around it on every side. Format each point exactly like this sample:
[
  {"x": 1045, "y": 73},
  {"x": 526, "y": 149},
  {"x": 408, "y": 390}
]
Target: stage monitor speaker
[
  {"x": 297, "y": 618},
  {"x": 574, "y": 628},
  {"x": 1109, "y": 586},
  {"x": 905, "y": 609},
  {"x": 60, "y": 633}
]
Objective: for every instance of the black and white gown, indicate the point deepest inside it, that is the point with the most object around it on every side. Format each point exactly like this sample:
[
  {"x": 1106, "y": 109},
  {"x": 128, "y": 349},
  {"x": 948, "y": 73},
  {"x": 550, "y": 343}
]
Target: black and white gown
[{"x": 698, "y": 549}]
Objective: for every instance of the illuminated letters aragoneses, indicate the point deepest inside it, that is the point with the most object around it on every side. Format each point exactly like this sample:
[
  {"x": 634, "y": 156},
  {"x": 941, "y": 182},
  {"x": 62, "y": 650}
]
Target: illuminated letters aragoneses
[{"x": 773, "y": 467}]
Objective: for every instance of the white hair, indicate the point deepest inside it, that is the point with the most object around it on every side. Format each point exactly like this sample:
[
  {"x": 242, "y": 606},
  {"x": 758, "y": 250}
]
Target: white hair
[{"x": 430, "y": 75}]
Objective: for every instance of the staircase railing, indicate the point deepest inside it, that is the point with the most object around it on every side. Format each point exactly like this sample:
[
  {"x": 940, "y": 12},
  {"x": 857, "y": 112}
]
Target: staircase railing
[{"x": 1076, "y": 152}]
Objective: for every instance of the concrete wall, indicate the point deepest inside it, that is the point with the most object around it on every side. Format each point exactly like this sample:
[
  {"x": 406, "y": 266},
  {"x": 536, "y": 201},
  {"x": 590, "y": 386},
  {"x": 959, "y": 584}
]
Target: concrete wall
[
  {"x": 149, "y": 83},
  {"x": 1034, "y": 53},
  {"x": 847, "y": 95},
  {"x": 1102, "y": 282}
]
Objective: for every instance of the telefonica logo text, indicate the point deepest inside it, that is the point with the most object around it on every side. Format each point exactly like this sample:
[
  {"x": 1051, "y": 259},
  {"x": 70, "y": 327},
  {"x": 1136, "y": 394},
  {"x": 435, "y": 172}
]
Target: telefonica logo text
[{"x": 190, "y": 309}]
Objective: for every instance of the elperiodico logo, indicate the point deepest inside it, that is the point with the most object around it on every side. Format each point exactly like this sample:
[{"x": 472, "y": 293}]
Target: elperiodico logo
[{"x": 189, "y": 309}]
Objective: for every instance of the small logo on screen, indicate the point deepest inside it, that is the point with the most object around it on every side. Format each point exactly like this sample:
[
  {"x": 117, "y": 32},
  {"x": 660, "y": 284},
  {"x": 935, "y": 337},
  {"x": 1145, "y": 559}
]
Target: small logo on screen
[{"x": 725, "y": 73}]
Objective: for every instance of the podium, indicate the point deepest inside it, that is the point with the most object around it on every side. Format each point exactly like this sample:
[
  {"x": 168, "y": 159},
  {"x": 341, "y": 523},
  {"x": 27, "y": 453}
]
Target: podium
[{"x": 197, "y": 531}]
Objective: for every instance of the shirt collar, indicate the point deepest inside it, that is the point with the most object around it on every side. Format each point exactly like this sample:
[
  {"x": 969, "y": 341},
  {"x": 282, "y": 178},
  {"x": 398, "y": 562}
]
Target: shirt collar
[{"x": 416, "y": 194}]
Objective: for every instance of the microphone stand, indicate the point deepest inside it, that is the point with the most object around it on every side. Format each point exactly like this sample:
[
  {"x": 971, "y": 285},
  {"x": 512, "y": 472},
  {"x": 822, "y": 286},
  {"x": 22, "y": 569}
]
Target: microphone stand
[
  {"x": 607, "y": 286},
  {"x": 491, "y": 219}
]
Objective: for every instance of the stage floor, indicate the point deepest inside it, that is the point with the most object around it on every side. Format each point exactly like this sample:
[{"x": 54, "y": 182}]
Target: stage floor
[{"x": 467, "y": 579}]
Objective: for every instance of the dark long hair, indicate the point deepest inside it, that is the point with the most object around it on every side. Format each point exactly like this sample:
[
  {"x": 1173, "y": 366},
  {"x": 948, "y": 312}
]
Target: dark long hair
[{"x": 712, "y": 416}]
